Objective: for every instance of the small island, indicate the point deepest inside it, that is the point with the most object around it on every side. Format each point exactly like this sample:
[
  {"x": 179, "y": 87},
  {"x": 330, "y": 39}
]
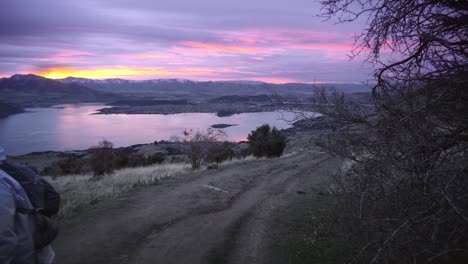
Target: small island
[
  {"x": 221, "y": 126},
  {"x": 227, "y": 112}
]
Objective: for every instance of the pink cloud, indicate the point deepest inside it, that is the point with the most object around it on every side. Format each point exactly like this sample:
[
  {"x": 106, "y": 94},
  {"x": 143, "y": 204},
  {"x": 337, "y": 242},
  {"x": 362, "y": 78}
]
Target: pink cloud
[
  {"x": 220, "y": 47},
  {"x": 150, "y": 56},
  {"x": 323, "y": 46},
  {"x": 270, "y": 55}
]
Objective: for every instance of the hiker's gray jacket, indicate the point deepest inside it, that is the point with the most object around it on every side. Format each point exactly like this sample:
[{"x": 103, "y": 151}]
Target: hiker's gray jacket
[{"x": 16, "y": 229}]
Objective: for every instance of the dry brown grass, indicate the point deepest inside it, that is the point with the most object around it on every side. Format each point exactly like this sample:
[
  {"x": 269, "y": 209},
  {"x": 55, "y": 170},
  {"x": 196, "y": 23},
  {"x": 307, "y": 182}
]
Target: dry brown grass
[{"x": 78, "y": 191}]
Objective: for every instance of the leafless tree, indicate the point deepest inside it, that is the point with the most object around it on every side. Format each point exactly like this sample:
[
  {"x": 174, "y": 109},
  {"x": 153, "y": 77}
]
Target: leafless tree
[
  {"x": 405, "y": 196},
  {"x": 102, "y": 158},
  {"x": 427, "y": 39},
  {"x": 198, "y": 144}
]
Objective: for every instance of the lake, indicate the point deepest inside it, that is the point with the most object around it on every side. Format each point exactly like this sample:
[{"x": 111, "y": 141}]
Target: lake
[{"x": 71, "y": 127}]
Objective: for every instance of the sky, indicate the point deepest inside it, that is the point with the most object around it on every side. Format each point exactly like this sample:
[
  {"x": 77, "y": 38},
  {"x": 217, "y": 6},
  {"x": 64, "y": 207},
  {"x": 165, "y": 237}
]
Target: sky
[{"x": 264, "y": 40}]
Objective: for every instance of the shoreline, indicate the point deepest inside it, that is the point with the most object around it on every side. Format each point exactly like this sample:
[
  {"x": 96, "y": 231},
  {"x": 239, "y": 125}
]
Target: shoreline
[
  {"x": 221, "y": 110},
  {"x": 312, "y": 123},
  {"x": 42, "y": 159}
]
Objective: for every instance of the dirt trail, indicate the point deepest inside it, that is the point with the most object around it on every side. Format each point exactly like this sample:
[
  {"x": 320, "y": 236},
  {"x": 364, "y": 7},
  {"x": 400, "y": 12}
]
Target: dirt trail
[{"x": 218, "y": 216}]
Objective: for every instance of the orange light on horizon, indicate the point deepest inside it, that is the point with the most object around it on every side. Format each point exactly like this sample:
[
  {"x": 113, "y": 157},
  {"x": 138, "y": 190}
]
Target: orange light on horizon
[
  {"x": 201, "y": 73},
  {"x": 118, "y": 72}
]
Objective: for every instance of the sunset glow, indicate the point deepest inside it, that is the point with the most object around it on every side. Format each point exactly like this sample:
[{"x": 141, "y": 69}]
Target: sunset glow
[
  {"x": 118, "y": 72},
  {"x": 262, "y": 41}
]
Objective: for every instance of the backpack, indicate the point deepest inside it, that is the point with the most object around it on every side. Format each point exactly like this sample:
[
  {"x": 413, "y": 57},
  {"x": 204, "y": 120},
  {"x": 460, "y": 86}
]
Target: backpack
[{"x": 44, "y": 199}]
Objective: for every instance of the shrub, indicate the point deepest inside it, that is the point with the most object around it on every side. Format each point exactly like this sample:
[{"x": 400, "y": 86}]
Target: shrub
[
  {"x": 136, "y": 160},
  {"x": 65, "y": 167},
  {"x": 102, "y": 158},
  {"x": 156, "y": 158},
  {"x": 176, "y": 159},
  {"x": 71, "y": 166},
  {"x": 218, "y": 153},
  {"x": 171, "y": 151},
  {"x": 52, "y": 170},
  {"x": 212, "y": 166},
  {"x": 198, "y": 143},
  {"x": 267, "y": 142},
  {"x": 121, "y": 161},
  {"x": 243, "y": 153}
]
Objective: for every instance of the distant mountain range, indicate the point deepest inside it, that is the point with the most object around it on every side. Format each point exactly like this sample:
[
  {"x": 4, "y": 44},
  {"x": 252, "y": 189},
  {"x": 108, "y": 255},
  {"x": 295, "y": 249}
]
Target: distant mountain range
[
  {"x": 32, "y": 90},
  {"x": 210, "y": 88}
]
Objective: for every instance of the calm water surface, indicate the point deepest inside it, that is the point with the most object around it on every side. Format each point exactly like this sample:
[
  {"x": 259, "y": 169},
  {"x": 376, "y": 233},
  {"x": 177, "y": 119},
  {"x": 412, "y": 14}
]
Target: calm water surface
[{"x": 70, "y": 127}]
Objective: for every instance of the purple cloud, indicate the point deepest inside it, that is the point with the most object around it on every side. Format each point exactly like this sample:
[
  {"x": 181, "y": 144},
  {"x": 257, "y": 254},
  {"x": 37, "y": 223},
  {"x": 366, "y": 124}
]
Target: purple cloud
[{"x": 201, "y": 40}]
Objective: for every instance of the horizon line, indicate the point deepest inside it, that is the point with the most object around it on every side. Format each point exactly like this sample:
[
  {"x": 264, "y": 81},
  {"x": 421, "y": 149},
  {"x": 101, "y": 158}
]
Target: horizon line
[{"x": 192, "y": 80}]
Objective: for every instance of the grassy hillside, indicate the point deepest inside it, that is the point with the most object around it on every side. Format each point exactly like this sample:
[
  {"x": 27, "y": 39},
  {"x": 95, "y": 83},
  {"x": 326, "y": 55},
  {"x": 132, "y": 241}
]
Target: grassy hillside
[{"x": 78, "y": 191}]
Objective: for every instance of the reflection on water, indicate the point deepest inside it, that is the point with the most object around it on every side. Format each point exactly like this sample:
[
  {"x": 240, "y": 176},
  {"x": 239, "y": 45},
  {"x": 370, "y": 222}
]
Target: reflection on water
[{"x": 69, "y": 127}]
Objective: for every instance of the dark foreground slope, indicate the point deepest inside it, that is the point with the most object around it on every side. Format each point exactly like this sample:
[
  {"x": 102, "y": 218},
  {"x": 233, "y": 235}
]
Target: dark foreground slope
[{"x": 187, "y": 221}]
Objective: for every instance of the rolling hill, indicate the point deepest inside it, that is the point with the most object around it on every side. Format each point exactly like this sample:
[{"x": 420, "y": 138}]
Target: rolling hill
[
  {"x": 32, "y": 90},
  {"x": 209, "y": 88}
]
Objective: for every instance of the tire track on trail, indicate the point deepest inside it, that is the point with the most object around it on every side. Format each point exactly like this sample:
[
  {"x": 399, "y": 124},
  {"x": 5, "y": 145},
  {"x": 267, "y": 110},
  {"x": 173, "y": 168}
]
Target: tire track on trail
[
  {"x": 199, "y": 230},
  {"x": 179, "y": 221}
]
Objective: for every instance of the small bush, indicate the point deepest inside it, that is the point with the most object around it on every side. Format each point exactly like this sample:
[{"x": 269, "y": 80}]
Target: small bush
[
  {"x": 65, "y": 167},
  {"x": 121, "y": 161},
  {"x": 71, "y": 166},
  {"x": 212, "y": 166},
  {"x": 197, "y": 143},
  {"x": 267, "y": 142},
  {"x": 243, "y": 153},
  {"x": 102, "y": 158},
  {"x": 218, "y": 153},
  {"x": 176, "y": 159},
  {"x": 171, "y": 151},
  {"x": 156, "y": 158},
  {"x": 52, "y": 170},
  {"x": 136, "y": 160}
]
